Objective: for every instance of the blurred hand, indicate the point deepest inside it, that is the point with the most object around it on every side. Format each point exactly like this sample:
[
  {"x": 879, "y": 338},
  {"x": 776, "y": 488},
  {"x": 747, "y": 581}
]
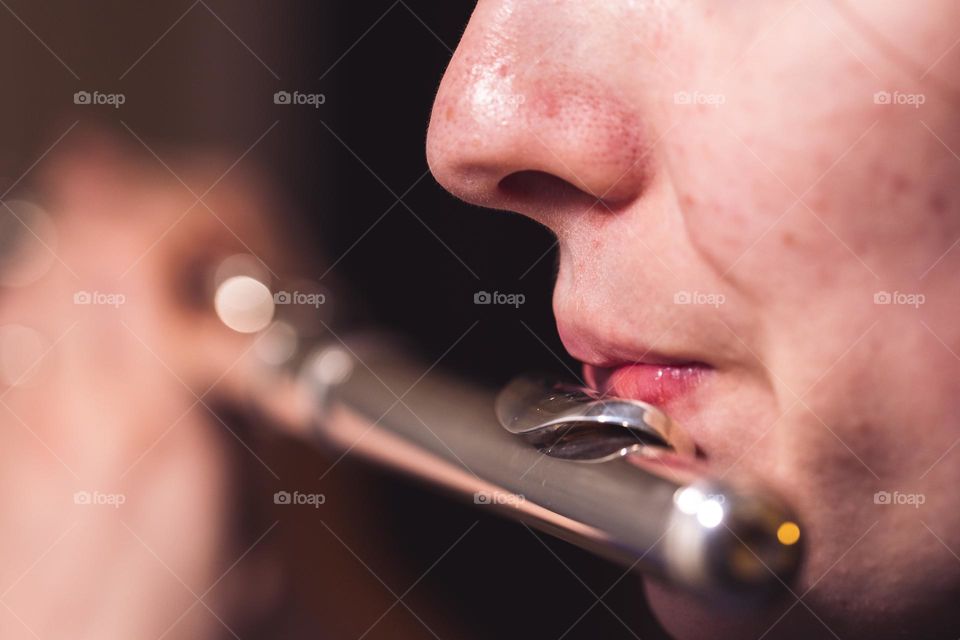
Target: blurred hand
[{"x": 113, "y": 473}]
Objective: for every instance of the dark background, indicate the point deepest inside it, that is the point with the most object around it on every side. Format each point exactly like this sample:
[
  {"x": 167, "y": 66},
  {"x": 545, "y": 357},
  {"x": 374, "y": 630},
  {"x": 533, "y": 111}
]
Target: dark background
[
  {"x": 207, "y": 81},
  {"x": 501, "y": 580}
]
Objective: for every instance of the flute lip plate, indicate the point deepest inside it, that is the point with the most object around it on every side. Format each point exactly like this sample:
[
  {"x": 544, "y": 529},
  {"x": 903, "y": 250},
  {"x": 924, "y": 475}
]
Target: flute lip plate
[
  {"x": 592, "y": 441},
  {"x": 574, "y": 423}
]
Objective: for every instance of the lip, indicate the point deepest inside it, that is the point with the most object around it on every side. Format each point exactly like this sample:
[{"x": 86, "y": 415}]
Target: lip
[
  {"x": 655, "y": 383},
  {"x": 616, "y": 368}
]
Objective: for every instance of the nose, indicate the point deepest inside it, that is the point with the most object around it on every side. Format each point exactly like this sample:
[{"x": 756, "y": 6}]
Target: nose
[{"x": 514, "y": 129}]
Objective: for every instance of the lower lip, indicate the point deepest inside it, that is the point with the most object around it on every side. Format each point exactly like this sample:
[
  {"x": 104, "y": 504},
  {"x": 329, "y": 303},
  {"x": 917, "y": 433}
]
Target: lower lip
[{"x": 659, "y": 385}]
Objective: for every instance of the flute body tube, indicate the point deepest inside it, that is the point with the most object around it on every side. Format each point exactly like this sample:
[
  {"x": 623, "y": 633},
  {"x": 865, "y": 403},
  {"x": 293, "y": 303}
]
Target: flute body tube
[{"x": 613, "y": 476}]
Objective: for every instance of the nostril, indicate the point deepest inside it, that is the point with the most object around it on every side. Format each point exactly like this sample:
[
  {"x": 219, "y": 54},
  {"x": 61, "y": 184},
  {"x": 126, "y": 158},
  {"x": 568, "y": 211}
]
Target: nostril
[
  {"x": 545, "y": 190},
  {"x": 539, "y": 190}
]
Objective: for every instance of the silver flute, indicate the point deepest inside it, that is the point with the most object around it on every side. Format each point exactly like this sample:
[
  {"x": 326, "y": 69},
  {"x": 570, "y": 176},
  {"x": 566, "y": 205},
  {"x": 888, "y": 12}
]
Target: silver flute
[{"x": 614, "y": 476}]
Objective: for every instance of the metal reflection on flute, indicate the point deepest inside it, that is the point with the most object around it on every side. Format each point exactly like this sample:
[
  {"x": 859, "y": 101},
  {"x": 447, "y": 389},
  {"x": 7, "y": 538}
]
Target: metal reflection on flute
[{"x": 608, "y": 475}]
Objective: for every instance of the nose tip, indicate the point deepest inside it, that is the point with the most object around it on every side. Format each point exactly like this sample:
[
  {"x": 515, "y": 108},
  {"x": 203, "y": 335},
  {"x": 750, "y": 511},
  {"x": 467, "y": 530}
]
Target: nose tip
[{"x": 512, "y": 141}]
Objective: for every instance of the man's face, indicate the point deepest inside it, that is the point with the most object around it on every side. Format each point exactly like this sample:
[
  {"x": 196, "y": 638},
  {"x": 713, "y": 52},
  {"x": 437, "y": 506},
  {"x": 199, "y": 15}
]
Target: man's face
[{"x": 757, "y": 211}]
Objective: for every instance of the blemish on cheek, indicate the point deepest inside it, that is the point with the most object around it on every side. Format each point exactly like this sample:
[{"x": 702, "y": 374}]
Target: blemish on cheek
[
  {"x": 939, "y": 204},
  {"x": 788, "y": 239},
  {"x": 900, "y": 183}
]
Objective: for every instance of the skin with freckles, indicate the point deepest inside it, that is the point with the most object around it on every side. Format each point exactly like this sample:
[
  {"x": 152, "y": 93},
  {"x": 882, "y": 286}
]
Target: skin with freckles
[{"x": 769, "y": 190}]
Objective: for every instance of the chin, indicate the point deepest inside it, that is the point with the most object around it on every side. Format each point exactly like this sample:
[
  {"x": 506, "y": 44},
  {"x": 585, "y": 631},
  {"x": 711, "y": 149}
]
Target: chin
[{"x": 686, "y": 617}]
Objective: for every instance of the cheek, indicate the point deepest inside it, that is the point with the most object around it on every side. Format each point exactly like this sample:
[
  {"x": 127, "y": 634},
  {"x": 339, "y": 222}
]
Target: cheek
[
  {"x": 799, "y": 167},
  {"x": 871, "y": 221},
  {"x": 742, "y": 219}
]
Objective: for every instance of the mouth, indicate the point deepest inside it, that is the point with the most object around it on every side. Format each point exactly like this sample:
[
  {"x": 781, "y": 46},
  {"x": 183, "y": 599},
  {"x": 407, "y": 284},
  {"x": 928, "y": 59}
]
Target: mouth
[
  {"x": 665, "y": 379},
  {"x": 663, "y": 385},
  {"x": 658, "y": 384}
]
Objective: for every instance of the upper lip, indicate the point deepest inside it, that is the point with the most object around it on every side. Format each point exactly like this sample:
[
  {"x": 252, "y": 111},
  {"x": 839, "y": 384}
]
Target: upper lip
[{"x": 591, "y": 349}]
